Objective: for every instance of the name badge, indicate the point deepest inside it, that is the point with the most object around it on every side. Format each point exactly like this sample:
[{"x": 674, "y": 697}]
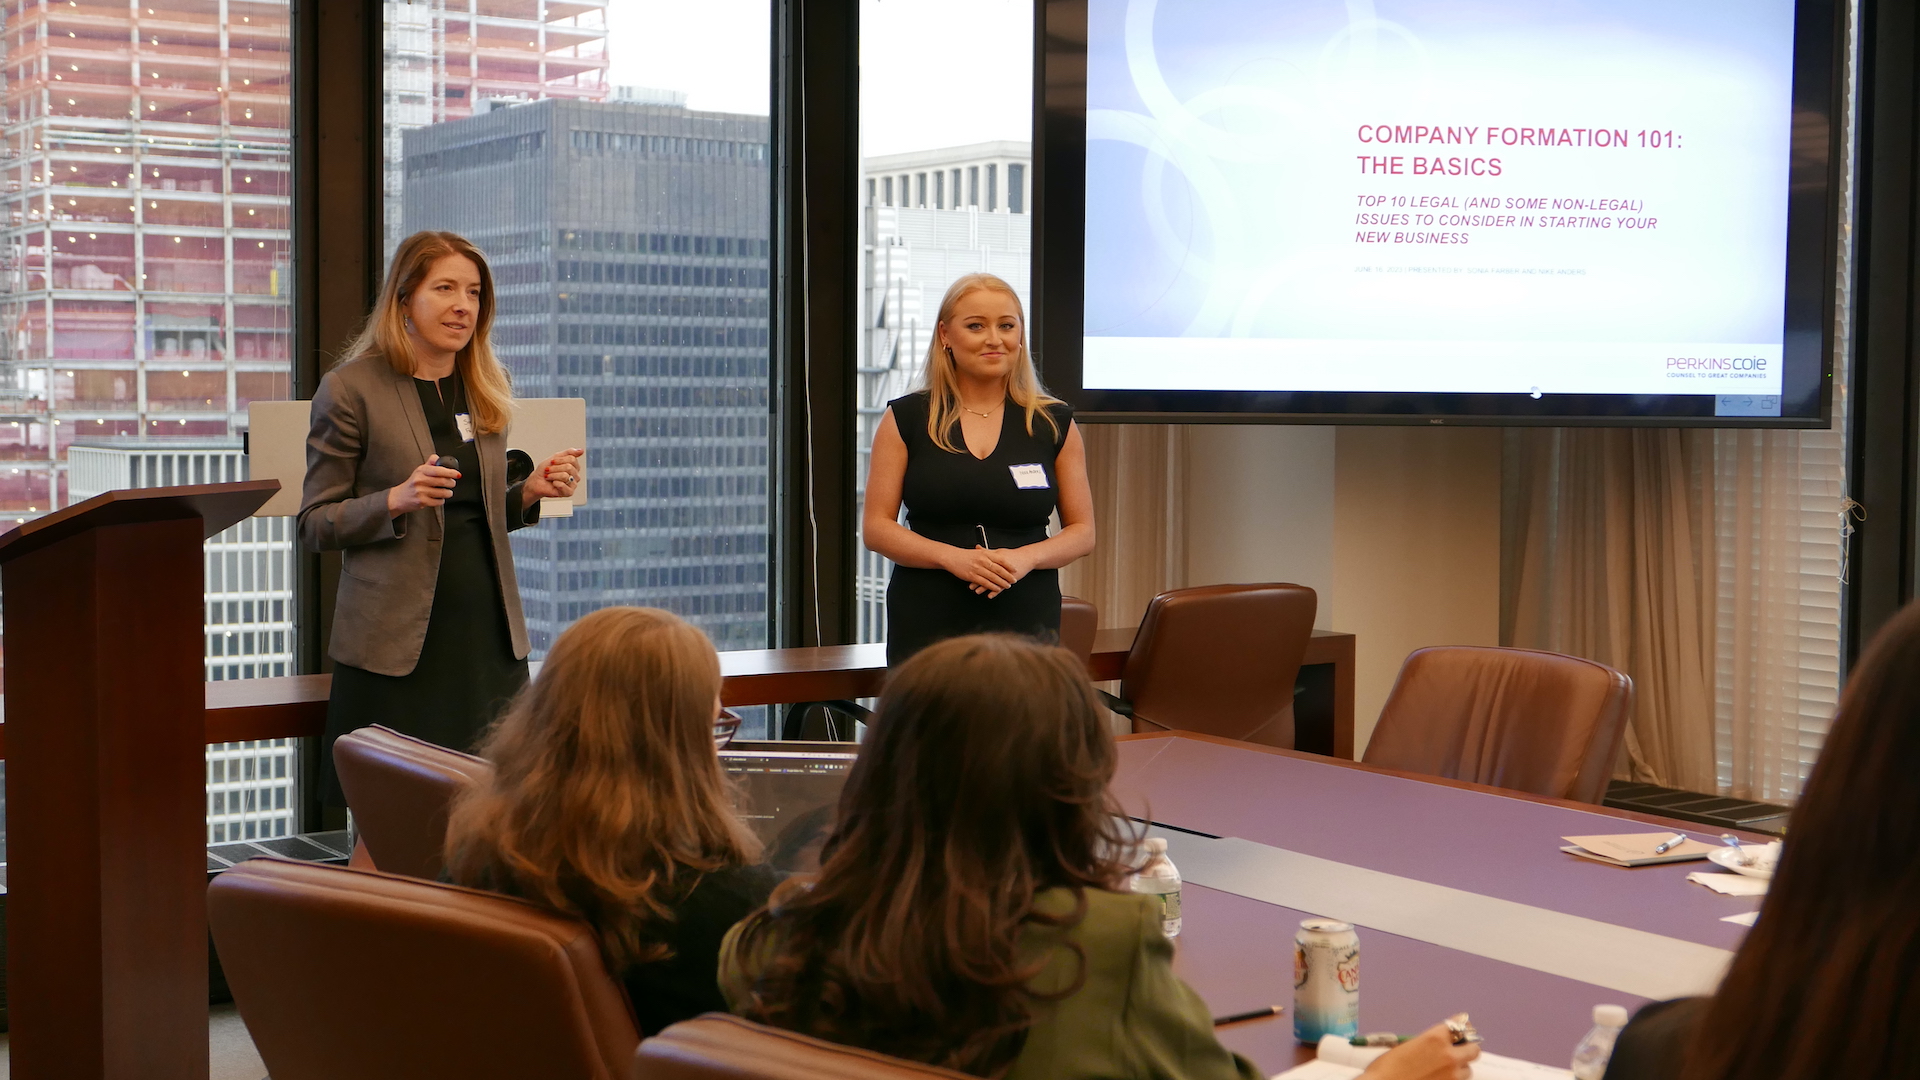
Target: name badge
[
  {"x": 465, "y": 424},
  {"x": 1027, "y": 477}
]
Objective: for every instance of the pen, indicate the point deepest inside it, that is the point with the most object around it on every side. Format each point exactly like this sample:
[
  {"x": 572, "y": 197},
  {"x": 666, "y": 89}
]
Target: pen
[
  {"x": 1256, "y": 1014},
  {"x": 1678, "y": 839}
]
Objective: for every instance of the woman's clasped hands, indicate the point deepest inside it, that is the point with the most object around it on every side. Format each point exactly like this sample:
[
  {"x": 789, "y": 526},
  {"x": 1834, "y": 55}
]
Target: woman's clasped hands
[{"x": 988, "y": 571}]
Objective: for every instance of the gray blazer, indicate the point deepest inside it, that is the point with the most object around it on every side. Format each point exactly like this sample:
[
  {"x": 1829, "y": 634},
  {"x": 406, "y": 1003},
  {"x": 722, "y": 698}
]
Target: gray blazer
[{"x": 369, "y": 434}]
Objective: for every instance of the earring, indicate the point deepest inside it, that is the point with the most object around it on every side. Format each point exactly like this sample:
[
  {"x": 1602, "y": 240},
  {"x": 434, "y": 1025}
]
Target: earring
[
  {"x": 408, "y": 319},
  {"x": 949, "y": 349}
]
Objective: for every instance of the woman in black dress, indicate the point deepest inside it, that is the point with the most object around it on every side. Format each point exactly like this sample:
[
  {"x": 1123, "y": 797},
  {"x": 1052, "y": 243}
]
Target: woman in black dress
[
  {"x": 407, "y": 478},
  {"x": 981, "y": 457}
]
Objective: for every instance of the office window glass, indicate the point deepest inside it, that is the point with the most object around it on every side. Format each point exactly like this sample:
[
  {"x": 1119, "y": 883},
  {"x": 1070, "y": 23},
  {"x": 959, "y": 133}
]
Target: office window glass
[
  {"x": 144, "y": 252},
  {"x": 613, "y": 163},
  {"x": 927, "y": 113}
]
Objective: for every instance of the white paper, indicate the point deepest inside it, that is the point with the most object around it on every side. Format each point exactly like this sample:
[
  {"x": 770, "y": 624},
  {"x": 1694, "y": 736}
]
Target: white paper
[
  {"x": 1730, "y": 884},
  {"x": 1029, "y": 477},
  {"x": 1485, "y": 1067},
  {"x": 1745, "y": 918},
  {"x": 465, "y": 423}
]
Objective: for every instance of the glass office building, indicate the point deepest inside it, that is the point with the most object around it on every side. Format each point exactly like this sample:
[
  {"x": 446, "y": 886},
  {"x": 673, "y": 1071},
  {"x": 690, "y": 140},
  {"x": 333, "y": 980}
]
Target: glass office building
[{"x": 628, "y": 242}]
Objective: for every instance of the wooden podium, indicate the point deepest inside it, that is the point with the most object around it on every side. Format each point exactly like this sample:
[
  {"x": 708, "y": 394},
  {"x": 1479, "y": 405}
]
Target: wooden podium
[{"x": 106, "y": 781}]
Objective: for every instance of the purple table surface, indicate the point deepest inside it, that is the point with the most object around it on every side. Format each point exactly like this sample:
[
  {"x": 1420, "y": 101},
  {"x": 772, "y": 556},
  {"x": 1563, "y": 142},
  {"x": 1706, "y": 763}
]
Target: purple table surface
[
  {"x": 1462, "y": 836},
  {"x": 1238, "y": 954}
]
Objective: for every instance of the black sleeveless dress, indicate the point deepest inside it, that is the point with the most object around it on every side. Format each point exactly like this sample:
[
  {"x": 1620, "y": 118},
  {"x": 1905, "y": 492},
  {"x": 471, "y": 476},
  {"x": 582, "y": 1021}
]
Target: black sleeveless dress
[
  {"x": 467, "y": 673},
  {"x": 954, "y": 497}
]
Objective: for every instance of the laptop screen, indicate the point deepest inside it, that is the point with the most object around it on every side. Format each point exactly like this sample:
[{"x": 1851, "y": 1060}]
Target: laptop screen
[{"x": 788, "y": 798}]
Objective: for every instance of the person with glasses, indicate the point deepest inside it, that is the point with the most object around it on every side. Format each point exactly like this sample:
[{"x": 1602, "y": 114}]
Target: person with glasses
[{"x": 608, "y": 803}]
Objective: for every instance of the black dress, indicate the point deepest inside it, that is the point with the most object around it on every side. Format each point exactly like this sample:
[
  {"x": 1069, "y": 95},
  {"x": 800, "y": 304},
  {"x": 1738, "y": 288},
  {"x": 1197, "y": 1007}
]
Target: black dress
[
  {"x": 467, "y": 672},
  {"x": 956, "y": 498}
]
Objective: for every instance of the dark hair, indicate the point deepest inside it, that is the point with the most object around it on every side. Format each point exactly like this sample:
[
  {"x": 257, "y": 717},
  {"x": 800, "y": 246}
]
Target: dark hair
[
  {"x": 1828, "y": 981},
  {"x": 982, "y": 782}
]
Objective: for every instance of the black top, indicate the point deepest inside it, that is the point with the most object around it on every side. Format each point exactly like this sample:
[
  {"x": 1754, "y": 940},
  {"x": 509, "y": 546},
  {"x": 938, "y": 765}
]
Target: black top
[
  {"x": 1653, "y": 1043},
  {"x": 946, "y": 490},
  {"x": 686, "y": 984}
]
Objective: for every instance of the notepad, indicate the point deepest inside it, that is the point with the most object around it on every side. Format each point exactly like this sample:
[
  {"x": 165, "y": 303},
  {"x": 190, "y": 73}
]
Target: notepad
[
  {"x": 1634, "y": 849},
  {"x": 1345, "y": 1063}
]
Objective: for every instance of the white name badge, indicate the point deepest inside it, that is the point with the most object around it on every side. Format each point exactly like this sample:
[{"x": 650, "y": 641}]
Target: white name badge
[
  {"x": 465, "y": 424},
  {"x": 1026, "y": 477}
]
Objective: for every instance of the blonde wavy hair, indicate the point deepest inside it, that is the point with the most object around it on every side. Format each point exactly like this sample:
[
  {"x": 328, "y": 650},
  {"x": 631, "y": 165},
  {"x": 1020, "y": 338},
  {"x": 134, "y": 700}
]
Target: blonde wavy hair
[
  {"x": 938, "y": 377},
  {"x": 607, "y": 794},
  {"x": 489, "y": 387}
]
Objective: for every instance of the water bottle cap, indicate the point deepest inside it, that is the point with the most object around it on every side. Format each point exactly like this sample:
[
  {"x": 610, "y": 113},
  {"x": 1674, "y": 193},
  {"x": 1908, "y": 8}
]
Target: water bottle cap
[
  {"x": 1156, "y": 845},
  {"x": 1610, "y": 1015}
]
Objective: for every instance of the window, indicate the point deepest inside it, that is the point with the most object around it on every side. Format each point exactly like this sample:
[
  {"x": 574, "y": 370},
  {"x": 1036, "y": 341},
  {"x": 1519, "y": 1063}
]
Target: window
[
  {"x": 147, "y": 216},
  {"x": 920, "y": 189},
  {"x": 886, "y": 191},
  {"x": 1016, "y": 188},
  {"x": 924, "y": 125},
  {"x": 638, "y": 281}
]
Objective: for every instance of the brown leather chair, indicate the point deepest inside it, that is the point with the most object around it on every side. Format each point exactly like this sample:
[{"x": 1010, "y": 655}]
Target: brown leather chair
[
  {"x": 721, "y": 1047},
  {"x": 1079, "y": 622},
  {"x": 342, "y": 972},
  {"x": 1531, "y": 721},
  {"x": 1220, "y": 660},
  {"x": 400, "y": 789}
]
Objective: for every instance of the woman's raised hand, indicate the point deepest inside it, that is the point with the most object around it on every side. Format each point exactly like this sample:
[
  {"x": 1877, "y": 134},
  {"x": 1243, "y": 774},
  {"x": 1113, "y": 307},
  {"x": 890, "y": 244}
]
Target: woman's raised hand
[
  {"x": 428, "y": 487},
  {"x": 980, "y": 568},
  {"x": 554, "y": 479},
  {"x": 1431, "y": 1055}
]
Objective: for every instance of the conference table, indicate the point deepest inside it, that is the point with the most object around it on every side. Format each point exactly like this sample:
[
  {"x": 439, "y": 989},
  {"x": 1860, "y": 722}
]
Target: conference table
[{"x": 1461, "y": 895}]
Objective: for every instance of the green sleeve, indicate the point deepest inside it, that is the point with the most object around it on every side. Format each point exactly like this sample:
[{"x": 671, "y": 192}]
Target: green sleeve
[
  {"x": 1168, "y": 1028},
  {"x": 736, "y": 982}
]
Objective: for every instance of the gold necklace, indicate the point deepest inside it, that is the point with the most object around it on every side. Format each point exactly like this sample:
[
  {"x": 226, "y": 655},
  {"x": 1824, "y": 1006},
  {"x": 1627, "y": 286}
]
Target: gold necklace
[{"x": 988, "y": 415}]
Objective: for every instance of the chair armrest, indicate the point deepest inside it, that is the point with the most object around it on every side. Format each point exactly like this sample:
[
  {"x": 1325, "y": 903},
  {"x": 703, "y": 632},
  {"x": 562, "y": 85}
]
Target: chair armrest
[{"x": 1119, "y": 705}]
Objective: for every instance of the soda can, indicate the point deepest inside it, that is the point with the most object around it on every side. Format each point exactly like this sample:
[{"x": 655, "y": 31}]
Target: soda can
[{"x": 1326, "y": 980}]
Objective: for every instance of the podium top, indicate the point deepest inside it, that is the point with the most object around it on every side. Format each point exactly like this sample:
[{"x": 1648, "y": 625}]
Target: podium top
[{"x": 216, "y": 505}]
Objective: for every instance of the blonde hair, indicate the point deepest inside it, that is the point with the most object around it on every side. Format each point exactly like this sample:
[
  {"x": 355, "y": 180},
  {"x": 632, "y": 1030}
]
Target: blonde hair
[
  {"x": 938, "y": 377},
  {"x": 489, "y": 387},
  {"x": 606, "y": 790}
]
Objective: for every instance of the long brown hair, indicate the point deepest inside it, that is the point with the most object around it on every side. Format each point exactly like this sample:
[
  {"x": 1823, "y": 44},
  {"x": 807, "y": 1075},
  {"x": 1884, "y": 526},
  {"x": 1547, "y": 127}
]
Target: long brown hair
[
  {"x": 489, "y": 387},
  {"x": 607, "y": 793},
  {"x": 938, "y": 377},
  {"x": 1828, "y": 981},
  {"x": 982, "y": 782}
]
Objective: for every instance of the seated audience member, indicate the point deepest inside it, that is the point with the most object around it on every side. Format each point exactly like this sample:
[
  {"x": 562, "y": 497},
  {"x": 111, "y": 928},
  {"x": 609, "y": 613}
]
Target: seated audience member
[
  {"x": 608, "y": 803},
  {"x": 968, "y": 912},
  {"x": 1827, "y": 983}
]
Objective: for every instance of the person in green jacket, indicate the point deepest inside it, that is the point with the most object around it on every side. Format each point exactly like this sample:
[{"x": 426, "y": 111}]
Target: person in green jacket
[{"x": 970, "y": 909}]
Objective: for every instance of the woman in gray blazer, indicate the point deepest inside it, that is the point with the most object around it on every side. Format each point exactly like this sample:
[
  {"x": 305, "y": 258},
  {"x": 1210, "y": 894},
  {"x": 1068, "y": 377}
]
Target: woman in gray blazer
[{"x": 407, "y": 477}]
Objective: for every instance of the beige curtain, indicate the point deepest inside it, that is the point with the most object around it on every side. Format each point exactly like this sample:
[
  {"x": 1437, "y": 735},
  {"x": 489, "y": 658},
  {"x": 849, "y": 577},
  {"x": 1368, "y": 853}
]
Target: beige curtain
[
  {"x": 1781, "y": 497},
  {"x": 1608, "y": 553},
  {"x": 1138, "y": 476}
]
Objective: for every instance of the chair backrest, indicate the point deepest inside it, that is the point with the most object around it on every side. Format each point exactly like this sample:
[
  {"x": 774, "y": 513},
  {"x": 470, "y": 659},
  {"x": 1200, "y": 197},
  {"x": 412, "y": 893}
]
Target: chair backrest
[
  {"x": 400, "y": 789},
  {"x": 1531, "y": 721},
  {"x": 342, "y": 972},
  {"x": 1221, "y": 660},
  {"x": 1079, "y": 622},
  {"x": 721, "y": 1047}
]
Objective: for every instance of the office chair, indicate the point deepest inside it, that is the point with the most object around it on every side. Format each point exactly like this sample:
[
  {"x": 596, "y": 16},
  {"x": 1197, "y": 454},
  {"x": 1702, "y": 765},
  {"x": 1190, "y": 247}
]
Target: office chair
[
  {"x": 1537, "y": 722},
  {"x": 400, "y": 789},
  {"x": 342, "y": 972},
  {"x": 1219, "y": 660}
]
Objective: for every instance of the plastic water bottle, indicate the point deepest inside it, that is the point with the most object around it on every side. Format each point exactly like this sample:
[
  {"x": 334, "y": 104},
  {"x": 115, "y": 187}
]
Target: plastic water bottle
[
  {"x": 1160, "y": 880},
  {"x": 1591, "y": 1056}
]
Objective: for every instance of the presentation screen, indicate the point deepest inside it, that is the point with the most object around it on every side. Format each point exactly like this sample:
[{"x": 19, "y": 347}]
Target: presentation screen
[{"x": 1407, "y": 209}]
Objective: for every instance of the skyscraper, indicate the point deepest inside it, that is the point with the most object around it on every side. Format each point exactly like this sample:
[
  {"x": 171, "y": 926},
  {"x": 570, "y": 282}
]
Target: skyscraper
[
  {"x": 930, "y": 216},
  {"x": 629, "y": 249}
]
